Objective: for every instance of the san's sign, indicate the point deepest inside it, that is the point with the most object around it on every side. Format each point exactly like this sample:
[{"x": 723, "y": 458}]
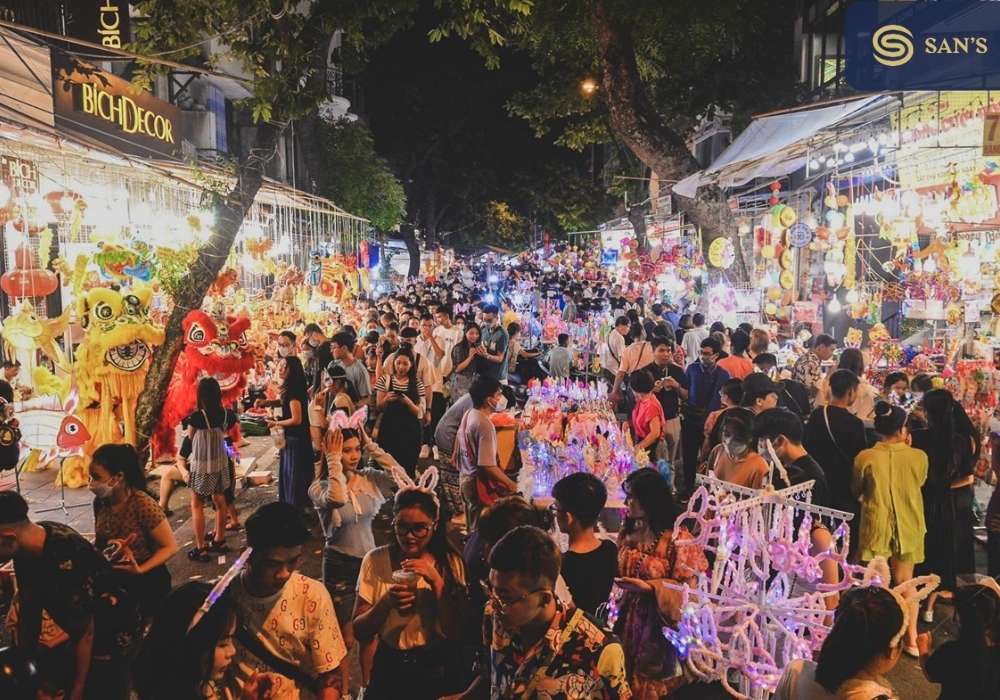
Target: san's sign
[
  {"x": 923, "y": 45},
  {"x": 109, "y": 109}
]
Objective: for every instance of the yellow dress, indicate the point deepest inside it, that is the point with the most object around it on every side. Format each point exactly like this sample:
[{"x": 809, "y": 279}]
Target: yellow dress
[{"x": 888, "y": 478}]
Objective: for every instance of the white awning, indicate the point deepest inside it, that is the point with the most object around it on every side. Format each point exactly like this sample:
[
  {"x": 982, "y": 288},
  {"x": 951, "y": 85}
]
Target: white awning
[{"x": 771, "y": 146}]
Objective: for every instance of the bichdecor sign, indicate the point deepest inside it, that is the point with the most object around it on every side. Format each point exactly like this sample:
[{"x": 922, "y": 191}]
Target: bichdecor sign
[
  {"x": 109, "y": 109},
  {"x": 923, "y": 45},
  {"x": 100, "y": 21}
]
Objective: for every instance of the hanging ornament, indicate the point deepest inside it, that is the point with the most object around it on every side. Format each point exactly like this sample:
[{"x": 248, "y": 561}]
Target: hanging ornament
[
  {"x": 775, "y": 188},
  {"x": 799, "y": 235},
  {"x": 721, "y": 253},
  {"x": 27, "y": 279}
]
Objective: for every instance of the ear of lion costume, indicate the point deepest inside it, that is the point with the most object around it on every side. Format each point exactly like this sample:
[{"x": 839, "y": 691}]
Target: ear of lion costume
[
  {"x": 113, "y": 359},
  {"x": 213, "y": 347}
]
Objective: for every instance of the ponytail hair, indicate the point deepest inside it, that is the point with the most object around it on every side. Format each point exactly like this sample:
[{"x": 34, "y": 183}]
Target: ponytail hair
[
  {"x": 889, "y": 419},
  {"x": 864, "y": 626}
]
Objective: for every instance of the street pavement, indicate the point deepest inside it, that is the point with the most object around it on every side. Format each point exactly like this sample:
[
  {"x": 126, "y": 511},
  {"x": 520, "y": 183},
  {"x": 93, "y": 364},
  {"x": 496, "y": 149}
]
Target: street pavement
[{"x": 42, "y": 495}]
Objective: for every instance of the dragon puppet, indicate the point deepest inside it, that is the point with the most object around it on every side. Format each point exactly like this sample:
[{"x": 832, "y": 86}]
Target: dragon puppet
[
  {"x": 113, "y": 359},
  {"x": 213, "y": 347}
]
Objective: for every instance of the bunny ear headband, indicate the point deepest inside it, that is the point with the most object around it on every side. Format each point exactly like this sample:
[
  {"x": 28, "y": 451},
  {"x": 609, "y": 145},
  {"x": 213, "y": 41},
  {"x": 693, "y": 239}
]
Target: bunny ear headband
[
  {"x": 340, "y": 421},
  {"x": 908, "y": 595},
  {"x": 427, "y": 483}
]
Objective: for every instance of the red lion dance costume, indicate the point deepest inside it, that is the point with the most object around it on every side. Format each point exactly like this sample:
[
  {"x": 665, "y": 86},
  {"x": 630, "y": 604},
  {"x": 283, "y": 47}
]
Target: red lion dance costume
[{"x": 214, "y": 347}]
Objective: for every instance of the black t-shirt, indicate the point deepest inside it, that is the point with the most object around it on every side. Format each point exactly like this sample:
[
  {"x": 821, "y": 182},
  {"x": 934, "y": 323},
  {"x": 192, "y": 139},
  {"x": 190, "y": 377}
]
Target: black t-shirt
[
  {"x": 590, "y": 576},
  {"x": 62, "y": 581},
  {"x": 836, "y": 455},
  {"x": 962, "y": 675},
  {"x": 795, "y": 397},
  {"x": 803, "y": 469},
  {"x": 302, "y": 429},
  {"x": 670, "y": 400},
  {"x": 6, "y": 391}
]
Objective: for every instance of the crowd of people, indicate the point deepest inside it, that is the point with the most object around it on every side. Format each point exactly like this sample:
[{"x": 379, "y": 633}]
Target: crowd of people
[{"x": 478, "y": 592}]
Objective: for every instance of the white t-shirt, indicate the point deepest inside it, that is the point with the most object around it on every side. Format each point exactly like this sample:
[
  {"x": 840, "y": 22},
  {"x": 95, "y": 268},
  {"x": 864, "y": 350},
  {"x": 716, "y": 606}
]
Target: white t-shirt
[
  {"x": 691, "y": 342},
  {"x": 476, "y": 443},
  {"x": 798, "y": 682},
  {"x": 416, "y": 629},
  {"x": 297, "y": 624},
  {"x": 612, "y": 351}
]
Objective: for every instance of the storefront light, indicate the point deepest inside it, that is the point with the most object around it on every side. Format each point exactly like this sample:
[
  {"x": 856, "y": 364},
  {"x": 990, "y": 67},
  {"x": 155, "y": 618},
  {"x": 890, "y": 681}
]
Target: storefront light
[
  {"x": 968, "y": 265},
  {"x": 4, "y": 195},
  {"x": 852, "y": 296},
  {"x": 930, "y": 267}
]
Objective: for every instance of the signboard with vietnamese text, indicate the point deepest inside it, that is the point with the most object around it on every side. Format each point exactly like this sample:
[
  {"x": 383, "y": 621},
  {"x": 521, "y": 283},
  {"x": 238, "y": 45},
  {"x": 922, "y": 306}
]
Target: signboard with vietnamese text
[
  {"x": 111, "y": 110},
  {"x": 19, "y": 175},
  {"x": 991, "y": 134},
  {"x": 104, "y": 22}
]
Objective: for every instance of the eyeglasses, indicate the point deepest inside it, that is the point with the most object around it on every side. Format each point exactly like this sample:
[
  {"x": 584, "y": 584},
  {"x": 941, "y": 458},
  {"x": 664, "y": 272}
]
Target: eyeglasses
[
  {"x": 418, "y": 530},
  {"x": 499, "y": 604}
]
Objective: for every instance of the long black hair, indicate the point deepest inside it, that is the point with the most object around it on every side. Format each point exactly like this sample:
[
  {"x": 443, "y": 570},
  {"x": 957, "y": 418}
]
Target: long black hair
[
  {"x": 978, "y": 609},
  {"x": 866, "y": 621},
  {"x": 210, "y": 399},
  {"x": 439, "y": 546},
  {"x": 411, "y": 376},
  {"x": 953, "y": 448},
  {"x": 187, "y": 657},
  {"x": 295, "y": 385},
  {"x": 657, "y": 502},
  {"x": 121, "y": 459}
]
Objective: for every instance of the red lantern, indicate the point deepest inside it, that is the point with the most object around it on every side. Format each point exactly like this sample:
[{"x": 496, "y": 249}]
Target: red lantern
[{"x": 28, "y": 280}]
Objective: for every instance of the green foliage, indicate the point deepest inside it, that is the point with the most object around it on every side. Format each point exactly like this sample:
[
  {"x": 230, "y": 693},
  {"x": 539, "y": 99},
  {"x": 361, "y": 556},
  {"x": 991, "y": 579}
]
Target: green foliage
[
  {"x": 693, "y": 58},
  {"x": 503, "y": 224},
  {"x": 356, "y": 178}
]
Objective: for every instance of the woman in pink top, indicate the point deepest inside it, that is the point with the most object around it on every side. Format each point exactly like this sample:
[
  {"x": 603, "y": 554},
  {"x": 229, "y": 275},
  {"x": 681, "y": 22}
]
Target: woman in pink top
[
  {"x": 648, "y": 420},
  {"x": 738, "y": 363}
]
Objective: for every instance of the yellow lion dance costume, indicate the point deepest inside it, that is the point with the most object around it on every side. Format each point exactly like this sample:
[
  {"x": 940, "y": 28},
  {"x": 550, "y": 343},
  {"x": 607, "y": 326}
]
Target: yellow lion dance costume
[{"x": 113, "y": 359}]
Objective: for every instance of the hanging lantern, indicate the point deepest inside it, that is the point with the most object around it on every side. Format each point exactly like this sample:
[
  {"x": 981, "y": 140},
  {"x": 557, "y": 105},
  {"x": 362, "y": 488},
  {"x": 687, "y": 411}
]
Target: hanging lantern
[{"x": 27, "y": 279}]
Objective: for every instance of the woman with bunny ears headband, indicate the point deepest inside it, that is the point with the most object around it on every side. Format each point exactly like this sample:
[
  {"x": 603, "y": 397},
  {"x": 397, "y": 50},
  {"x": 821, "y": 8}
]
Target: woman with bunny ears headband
[
  {"x": 358, "y": 480},
  {"x": 410, "y": 595}
]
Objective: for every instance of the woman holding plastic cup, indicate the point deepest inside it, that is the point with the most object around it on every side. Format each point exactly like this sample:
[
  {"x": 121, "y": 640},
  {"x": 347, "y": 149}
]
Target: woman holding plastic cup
[{"x": 410, "y": 594}]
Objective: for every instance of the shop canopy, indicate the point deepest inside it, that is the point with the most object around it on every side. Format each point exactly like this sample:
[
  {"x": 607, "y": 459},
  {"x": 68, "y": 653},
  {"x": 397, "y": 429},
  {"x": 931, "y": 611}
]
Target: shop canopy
[{"x": 773, "y": 145}]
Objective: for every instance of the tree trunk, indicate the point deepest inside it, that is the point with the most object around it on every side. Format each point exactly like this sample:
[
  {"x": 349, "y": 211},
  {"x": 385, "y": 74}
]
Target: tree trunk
[
  {"x": 409, "y": 237},
  {"x": 637, "y": 216},
  {"x": 230, "y": 212},
  {"x": 636, "y": 122}
]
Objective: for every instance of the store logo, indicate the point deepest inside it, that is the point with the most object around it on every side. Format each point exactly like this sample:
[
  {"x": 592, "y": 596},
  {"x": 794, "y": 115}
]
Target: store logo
[
  {"x": 892, "y": 45},
  {"x": 922, "y": 45},
  {"x": 123, "y": 111}
]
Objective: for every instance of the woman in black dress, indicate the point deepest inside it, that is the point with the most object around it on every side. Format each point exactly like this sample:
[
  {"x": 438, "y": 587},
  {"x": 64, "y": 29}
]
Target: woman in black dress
[
  {"x": 296, "y": 457},
  {"x": 950, "y": 445}
]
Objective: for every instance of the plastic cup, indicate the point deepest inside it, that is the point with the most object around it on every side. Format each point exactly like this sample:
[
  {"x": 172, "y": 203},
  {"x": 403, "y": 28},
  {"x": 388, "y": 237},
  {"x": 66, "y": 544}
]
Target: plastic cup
[{"x": 408, "y": 579}]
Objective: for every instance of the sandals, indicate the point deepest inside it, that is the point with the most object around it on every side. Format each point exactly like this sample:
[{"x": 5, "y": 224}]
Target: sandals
[
  {"x": 217, "y": 546},
  {"x": 199, "y": 554}
]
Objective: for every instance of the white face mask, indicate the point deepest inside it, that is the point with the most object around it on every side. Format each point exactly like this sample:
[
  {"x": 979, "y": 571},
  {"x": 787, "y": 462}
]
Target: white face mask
[
  {"x": 500, "y": 405},
  {"x": 284, "y": 352}
]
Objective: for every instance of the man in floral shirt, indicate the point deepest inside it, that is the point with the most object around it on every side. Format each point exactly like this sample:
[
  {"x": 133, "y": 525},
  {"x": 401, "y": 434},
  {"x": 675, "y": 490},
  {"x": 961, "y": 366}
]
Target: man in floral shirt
[
  {"x": 808, "y": 368},
  {"x": 540, "y": 648}
]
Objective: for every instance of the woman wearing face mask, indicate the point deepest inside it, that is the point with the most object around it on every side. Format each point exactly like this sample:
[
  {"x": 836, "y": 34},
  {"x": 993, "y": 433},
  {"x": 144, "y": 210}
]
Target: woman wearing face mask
[
  {"x": 862, "y": 647},
  {"x": 130, "y": 526},
  {"x": 735, "y": 460},
  {"x": 347, "y": 499},
  {"x": 296, "y": 457},
  {"x": 465, "y": 359},
  {"x": 401, "y": 400},
  {"x": 648, "y": 556},
  {"x": 888, "y": 478},
  {"x": 410, "y": 594}
]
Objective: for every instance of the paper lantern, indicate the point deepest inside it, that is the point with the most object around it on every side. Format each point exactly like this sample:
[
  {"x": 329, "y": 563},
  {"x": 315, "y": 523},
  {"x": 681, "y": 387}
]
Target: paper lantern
[{"x": 27, "y": 279}]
